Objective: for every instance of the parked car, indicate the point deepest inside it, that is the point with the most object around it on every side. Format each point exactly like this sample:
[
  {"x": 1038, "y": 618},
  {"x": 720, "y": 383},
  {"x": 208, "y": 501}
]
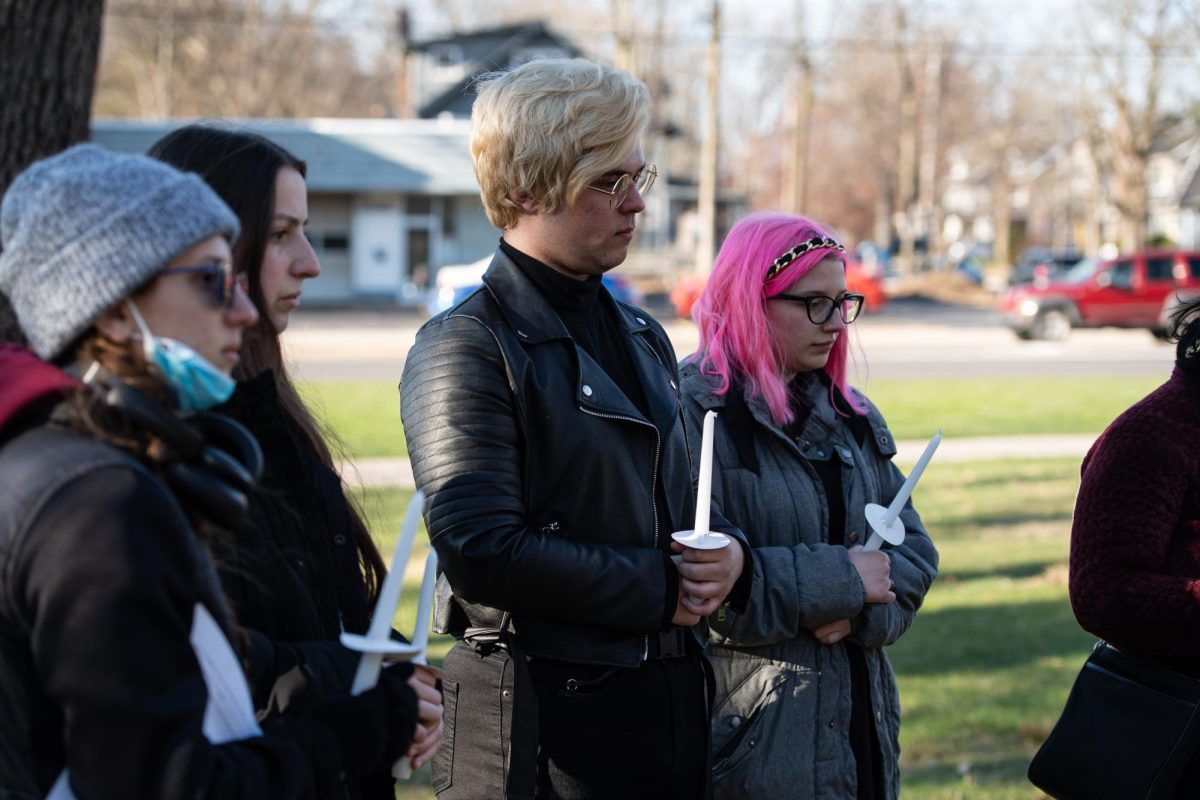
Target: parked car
[
  {"x": 860, "y": 279},
  {"x": 453, "y": 283},
  {"x": 1043, "y": 266},
  {"x": 1127, "y": 292}
]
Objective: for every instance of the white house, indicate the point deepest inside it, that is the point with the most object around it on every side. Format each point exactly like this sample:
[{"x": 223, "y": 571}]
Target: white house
[{"x": 390, "y": 201}]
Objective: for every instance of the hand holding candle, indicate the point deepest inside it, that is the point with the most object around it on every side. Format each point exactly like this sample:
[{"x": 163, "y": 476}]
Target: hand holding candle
[
  {"x": 885, "y": 522},
  {"x": 700, "y": 537},
  {"x": 378, "y": 640}
]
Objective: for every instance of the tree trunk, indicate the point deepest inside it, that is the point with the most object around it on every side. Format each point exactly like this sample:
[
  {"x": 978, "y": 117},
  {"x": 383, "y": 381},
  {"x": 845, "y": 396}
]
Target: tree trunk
[{"x": 48, "y": 54}]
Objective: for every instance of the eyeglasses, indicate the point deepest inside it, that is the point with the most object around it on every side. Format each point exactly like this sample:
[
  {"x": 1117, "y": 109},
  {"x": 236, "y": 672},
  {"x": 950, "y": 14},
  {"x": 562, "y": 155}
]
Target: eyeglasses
[
  {"x": 820, "y": 308},
  {"x": 217, "y": 279},
  {"x": 642, "y": 180}
]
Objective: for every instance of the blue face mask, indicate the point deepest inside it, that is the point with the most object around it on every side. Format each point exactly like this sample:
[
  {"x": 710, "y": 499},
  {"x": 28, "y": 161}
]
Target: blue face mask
[{"x": 194, "y": 381}]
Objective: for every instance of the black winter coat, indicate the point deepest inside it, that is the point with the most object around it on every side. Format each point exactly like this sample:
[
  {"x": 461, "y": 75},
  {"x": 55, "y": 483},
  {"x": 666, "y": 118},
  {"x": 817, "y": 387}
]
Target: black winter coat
[
  {"x": 100, "y": 573},
  {"x": 541, "y": 474},
  {"x": 291, "y": 572}
]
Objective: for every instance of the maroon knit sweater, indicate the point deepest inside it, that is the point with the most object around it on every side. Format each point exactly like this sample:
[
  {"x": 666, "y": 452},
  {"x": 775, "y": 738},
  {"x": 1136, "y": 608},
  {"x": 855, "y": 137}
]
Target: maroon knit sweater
[{"x": 1135, "y": 539}]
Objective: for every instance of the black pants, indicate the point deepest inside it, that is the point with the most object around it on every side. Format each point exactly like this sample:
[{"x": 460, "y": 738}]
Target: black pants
[{"x": 623, "y": 733}]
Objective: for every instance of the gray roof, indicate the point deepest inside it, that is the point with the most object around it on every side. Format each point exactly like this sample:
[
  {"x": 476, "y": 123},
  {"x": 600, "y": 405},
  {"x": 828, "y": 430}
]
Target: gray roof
[
  {"x": 488, "y": 50},
  {"x": 344, "y": 155}
]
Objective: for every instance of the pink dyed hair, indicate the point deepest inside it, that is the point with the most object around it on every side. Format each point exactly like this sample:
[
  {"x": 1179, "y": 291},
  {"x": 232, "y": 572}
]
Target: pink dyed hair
[{"x": 735, "y": 337}]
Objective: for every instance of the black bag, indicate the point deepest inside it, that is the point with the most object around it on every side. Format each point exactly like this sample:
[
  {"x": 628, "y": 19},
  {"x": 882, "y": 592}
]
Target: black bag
[
  {"x": 489, "y": 746},
  {"x": 1128, "y": 731}
]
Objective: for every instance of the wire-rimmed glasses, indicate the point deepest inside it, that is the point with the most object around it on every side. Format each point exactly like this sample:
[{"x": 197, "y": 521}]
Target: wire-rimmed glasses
[{"x": 642, "y": 180}]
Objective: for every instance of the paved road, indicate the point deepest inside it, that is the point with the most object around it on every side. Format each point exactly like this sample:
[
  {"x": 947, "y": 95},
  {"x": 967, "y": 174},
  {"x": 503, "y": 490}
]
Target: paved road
[{"x": 912, "y": 338}]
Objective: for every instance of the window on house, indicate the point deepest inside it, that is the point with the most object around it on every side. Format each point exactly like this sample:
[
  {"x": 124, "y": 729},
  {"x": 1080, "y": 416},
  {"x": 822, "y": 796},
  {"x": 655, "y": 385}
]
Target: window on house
[
  {"x": 335, "y": 243},
  {"x": 446, "y": 56},
  {"x": 449, "y": 218},
  {"x": 419, "y": 204}
]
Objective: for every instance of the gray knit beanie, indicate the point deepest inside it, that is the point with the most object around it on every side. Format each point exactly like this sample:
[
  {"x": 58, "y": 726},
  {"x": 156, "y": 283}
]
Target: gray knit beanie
[{"x": 83, "y": 229}]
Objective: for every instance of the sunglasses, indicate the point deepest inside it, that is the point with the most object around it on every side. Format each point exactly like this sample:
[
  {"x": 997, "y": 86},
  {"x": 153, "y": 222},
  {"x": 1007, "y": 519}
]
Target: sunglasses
[
  {"x": 820, "y": 308},
  {"x": 217, "y": 280}
]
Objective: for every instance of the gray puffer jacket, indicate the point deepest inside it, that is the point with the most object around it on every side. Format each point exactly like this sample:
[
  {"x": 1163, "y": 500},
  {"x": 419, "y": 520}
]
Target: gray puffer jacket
[{"x": 782, "y": 716}]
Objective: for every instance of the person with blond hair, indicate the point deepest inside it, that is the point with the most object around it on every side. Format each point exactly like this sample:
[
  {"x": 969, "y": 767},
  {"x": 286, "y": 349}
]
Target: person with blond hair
[
  {"x": 544, "y": 424},
  {"x": 806, "y": 703}
]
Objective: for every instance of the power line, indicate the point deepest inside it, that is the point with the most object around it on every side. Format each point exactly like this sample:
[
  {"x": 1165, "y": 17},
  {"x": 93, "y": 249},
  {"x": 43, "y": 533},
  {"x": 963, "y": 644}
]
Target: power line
[{"x": 348, "y": 23}]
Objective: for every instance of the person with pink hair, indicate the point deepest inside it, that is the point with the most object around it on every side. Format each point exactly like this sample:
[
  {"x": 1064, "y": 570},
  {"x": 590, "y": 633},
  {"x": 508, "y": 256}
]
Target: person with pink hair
[{"x": 806, "y": 701}]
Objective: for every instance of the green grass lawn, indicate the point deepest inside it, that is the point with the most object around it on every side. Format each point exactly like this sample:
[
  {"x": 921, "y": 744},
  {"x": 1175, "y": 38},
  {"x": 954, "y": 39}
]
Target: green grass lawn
[
  {"x": 366, "y": 415},
  {"x": 987, "y": 665},
  {"x": 915, "y": 409}
]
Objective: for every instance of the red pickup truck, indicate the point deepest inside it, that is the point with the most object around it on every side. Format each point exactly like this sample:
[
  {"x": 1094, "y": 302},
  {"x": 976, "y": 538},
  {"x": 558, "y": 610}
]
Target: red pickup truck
[{"x": 1128, "y": 292}]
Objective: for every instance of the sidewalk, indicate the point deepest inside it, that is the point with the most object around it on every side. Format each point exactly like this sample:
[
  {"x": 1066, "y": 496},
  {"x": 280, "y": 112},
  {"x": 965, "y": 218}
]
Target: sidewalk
[{"x": 377, "y": 472}]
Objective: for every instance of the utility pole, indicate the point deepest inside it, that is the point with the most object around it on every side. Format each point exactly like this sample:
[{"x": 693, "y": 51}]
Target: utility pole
[
  {"x": 399, "y": 56},
  {"x": 905, "y": 213},
  {"x": 624, "y": 55},
  {"x": 707, "y": 246},
  {"x": 928, "y": 201},
  {"x": 795, "y": 194},
  {"x": 166, "y": 59},
  {"x": 657, "y": 149}
]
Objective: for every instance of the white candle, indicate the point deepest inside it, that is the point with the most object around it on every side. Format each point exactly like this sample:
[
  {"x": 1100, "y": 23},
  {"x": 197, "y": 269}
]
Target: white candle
[
  {"x": 704, "y": 484},
  {"x": 910, "y": 483},
  {"x": 402, "y": 769},
  {"x": 425, "y": 605},
  {"x": 367, "y": 673}
]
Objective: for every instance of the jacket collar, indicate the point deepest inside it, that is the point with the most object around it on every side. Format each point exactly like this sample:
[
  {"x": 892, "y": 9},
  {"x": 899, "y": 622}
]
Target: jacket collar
[
  {"x": 528, "y": 312},
  {"x": 29, "y": 382},
  {"x": 822, "y": 423}
]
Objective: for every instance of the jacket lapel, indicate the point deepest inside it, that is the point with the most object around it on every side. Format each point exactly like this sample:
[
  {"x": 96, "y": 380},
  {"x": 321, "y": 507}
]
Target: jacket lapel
[{"x": 535, "y": 321}]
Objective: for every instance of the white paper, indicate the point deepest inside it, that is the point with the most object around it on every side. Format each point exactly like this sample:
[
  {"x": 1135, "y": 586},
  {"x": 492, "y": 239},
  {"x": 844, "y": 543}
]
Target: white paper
[
  {"x": 229, "y": 711},
  {"x": 61, "y": 790}
]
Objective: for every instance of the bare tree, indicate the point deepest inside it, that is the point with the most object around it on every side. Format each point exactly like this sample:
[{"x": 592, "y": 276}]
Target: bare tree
[
  {"x": 235, "y": 58},
  {"x": 1131, "y": 80},
  {"x": 48, "y": 51}
]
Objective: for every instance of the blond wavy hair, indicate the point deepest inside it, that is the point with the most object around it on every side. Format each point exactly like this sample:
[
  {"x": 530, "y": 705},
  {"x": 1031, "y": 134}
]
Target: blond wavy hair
[{"x": 550, "y": 127}]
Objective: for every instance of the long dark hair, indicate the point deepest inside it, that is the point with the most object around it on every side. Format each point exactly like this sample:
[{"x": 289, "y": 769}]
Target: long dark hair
[
  {"x": 242, "y": 167},
  {"x": 1185, "y": 329}
]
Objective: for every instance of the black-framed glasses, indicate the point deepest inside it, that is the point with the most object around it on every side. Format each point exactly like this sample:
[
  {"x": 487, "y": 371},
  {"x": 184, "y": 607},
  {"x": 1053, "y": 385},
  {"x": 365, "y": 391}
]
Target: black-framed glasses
[
  {"x": 216, "y": 279},
  {"x": 642, "y": 180},
  {"x": 820, "y": 308}
]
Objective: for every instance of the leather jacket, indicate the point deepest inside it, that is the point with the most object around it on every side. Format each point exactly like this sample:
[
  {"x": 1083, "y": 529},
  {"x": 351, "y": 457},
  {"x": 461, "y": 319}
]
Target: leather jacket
[{"x": 540, "y": 474}]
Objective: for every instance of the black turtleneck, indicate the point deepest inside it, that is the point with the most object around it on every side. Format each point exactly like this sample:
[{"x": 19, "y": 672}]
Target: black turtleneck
[{"x": 590, "y": 318}]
